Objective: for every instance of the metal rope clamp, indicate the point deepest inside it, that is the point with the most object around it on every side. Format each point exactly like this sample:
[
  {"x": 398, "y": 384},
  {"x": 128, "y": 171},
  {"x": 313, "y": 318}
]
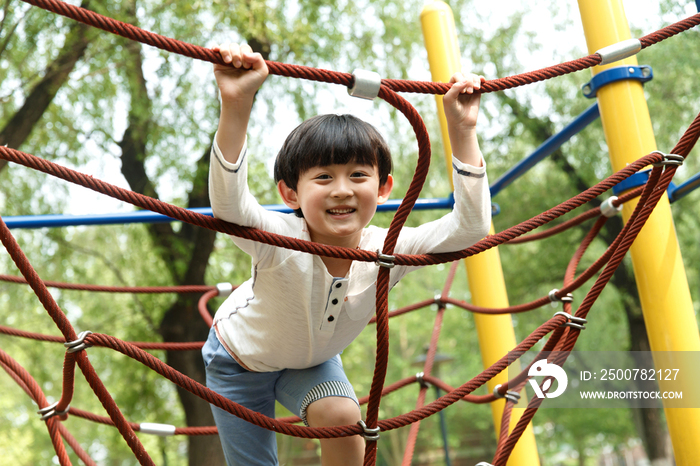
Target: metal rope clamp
[
  {"x": 608, "y": 209},
  {"x": 224, "y": 289},
  {"x": 369, "y": 434},
  {"x": 50, "y": 411},
  {"x": 572, "y": 321},
  {"x": 439, "y": 302},
  {"x": 162, "y": 430},
  {"x": 619, "y": 51},
  {"x": 669, "y": 159},
  {"x": 365, "y": 84},
  {"x": 420, "y": 378},
  {"x": 511, "y": 395},
  {"x": 385, "y": 260},
  {"x": 568, "y": 298},
  {"x": 79, "y": 344}
]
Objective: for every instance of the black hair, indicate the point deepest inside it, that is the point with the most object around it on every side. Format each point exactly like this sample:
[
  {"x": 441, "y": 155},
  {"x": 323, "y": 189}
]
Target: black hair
[{"x": 331, "y": 139}]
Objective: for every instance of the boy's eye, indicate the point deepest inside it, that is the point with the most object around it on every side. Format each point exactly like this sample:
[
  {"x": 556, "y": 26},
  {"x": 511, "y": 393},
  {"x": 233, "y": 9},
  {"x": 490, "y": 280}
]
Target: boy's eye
[
  {"x": 323, "y": 177},
  {"x": 358, "y": 175}
]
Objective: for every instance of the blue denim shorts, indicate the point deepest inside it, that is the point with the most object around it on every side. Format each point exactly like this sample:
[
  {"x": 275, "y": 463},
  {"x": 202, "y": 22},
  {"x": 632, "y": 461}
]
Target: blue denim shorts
[{"x": 295, "y": 389}]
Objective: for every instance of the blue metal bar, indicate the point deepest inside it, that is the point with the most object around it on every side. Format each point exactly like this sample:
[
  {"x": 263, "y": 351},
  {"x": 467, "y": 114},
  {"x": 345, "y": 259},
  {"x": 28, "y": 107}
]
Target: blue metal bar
[
  {"x": 549, "y": 146},
  {"x": 683, "y": 189},
  {"x": 58, "y": 220},
  {"x": 146, "y": 216},
  {"x": 636, "y": 180},
  {"x": 674, "y": 192}
]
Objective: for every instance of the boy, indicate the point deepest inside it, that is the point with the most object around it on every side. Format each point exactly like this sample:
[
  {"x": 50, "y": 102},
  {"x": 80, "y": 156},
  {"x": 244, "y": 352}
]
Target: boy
[{"x": 279, "y": 335}]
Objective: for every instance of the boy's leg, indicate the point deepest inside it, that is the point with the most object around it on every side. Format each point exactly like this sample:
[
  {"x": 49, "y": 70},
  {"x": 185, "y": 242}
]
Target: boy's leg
[
  {"x": 322, "y": 396},
  {"x": 337, "y": 411},
  {"x": 243, "y": 443}
]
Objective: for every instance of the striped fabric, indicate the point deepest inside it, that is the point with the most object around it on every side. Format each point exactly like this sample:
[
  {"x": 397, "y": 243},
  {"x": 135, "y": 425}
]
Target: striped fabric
[{"x": 330, "y": 388}]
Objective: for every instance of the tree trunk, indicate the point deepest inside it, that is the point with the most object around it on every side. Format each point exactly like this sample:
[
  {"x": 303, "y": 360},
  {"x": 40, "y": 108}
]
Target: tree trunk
[
  {"x": 182, "y": 322},
  {"x": 185, "y": 254},
  {"x": 581, "y": 450},
  {"x": 651, "y": 419},
  {"x": 20, "y": 126}
]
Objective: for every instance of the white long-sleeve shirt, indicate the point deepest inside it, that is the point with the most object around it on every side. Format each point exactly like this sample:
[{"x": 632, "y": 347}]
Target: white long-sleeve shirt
[{"x": 292, "y": 314}]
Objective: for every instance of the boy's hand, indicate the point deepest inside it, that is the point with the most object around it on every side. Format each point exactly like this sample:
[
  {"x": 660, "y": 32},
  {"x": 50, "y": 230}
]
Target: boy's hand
[
  {"x": 461, "y": 102},
  {"x": 461, "y": 111},
  {"x": 244, "y": 74},
  {"x": 238, "y": 82}
]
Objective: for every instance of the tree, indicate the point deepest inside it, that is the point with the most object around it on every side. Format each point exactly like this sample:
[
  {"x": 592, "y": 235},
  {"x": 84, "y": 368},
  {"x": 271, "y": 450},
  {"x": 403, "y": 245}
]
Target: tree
[{"x": 18, "y": 128}]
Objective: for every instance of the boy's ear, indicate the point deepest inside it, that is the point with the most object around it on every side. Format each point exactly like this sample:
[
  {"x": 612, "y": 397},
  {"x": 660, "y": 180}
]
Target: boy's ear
[
  {"x": 289, "y": 196},
  {"x": 385, "y": 190}
]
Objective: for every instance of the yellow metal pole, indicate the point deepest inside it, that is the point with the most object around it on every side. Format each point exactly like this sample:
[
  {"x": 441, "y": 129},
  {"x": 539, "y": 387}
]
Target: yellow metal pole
[
  {"x": 484, "y": 272},
  {"x": 658, "y": 266}
]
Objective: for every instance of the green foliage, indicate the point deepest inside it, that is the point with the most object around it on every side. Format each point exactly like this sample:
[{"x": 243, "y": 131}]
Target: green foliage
[{"x": 84, "y": 124}]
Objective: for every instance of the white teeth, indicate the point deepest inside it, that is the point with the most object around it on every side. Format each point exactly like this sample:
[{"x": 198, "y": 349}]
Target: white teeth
[{"x": 341, "y": 211}]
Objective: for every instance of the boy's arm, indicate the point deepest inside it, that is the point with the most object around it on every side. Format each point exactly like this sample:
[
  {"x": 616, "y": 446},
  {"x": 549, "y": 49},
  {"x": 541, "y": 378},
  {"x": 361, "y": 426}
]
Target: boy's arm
[
  {"x": 471, "y": 217},
  {"x": 238, "y": 82},
  {"x": 461, "y": 111}
]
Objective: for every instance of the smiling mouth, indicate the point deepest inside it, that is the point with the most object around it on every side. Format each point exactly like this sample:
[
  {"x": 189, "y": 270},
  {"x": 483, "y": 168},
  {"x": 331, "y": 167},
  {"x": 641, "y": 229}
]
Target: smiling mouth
[{"x": 340, "y": 211}]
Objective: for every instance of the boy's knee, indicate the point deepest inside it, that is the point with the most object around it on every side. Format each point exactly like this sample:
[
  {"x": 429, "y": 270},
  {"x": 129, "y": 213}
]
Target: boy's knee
[{"x": 333, "y": 411}]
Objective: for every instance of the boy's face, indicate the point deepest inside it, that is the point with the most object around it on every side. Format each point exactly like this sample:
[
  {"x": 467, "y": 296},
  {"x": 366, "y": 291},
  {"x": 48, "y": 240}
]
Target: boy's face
[{"x": 338, "y": 201}]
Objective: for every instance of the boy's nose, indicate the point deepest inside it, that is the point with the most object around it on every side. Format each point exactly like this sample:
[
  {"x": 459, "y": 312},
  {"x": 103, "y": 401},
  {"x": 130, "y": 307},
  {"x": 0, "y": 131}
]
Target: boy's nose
[{"x": 341, "y": 189}]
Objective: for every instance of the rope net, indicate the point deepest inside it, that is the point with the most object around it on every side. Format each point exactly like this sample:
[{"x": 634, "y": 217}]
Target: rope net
[{"x": 561, "y": 338}]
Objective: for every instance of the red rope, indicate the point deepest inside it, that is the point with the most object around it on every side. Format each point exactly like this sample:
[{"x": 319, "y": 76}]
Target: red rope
[
  {"x": 204, "y": 221},
  {"x": 653, "y": 190},
  {"x": 427, "y": 369},
  {"x": 144, "y": 345},
  {"x": 579, "y": 219},
  {"x": 320, "y": 75},
  {"x": 114, "y": 289},
  {"x": 69, "y": 333},
  {"x": 89, "y": 338},
  {"x": 651, "y": 158},
  {"x": 202, "y": 306},
  {"x": 30, "y": 386},
  {"x": 429, "y": 362},
  {"x": 387, "y": 92}
]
